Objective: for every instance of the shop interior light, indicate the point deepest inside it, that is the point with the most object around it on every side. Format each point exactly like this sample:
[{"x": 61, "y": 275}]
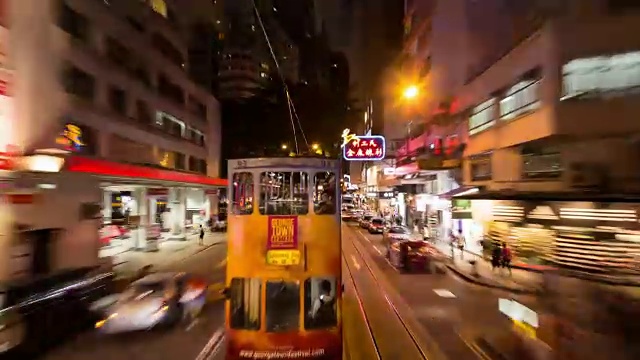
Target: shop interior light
[{"x": 41, "y": 163}]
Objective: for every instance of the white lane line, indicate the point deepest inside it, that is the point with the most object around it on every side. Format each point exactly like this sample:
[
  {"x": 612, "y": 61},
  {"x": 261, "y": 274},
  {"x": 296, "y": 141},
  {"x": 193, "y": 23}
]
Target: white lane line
[
  {"x": 216, "y": 338},
  {"x": 355, "y": 262},
  {"x": 372, "y": 244},
  {"x": 216, "y": 349},
  {"x": 444, "y": 293},
  {"x": 192, "y": 324}
]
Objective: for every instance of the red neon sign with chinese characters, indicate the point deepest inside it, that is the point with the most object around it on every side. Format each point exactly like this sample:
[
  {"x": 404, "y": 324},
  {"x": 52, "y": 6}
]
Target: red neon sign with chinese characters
[{"x": 364, "y": 148}]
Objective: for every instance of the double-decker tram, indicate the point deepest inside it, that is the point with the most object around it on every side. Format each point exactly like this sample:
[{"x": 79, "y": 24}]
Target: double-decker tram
[{"x": 283, "y": 261}]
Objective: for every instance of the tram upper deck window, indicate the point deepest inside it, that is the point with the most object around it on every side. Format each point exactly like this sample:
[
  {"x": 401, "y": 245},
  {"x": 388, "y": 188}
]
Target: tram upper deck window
[
  {"x": 324, "y": 193},
  {"x": 320, "y": 303},
  {"x": 282, "y": 308},
  {"x": 242, "y": 194},
  {"x": 245, "y": 303},
  {"x": 284, "y": 193}
]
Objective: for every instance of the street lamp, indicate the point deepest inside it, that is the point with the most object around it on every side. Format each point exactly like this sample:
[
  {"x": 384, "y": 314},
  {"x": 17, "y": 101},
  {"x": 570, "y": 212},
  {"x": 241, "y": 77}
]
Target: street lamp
[
  {"x": 315, "y": 146},
  {"x": 411, "y": 92},
  {"x": 284, "y": 147}
]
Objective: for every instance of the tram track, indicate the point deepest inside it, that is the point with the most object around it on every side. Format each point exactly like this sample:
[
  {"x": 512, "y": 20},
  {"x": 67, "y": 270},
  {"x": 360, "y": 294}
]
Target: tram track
[{"x": 363, "y": 264}]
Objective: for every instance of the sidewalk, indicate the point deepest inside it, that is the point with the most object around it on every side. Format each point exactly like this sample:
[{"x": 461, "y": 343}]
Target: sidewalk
[
  {"x": 481, "y": 273},
  {"x": 170, "y": 251}
]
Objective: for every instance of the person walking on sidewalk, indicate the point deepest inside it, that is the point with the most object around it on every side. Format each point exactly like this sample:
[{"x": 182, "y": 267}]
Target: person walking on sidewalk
[
  {"x": 201, "y": 238},
  {"x": 461, "y": 242},
  {"x": 506, "y": 257},
  {"x": 496, "y": 257}
]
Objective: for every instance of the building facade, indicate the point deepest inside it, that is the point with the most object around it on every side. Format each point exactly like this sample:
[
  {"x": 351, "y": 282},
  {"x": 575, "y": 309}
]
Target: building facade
[
  {"x": 529, "y": 114},
  {"x": 97, "y": 102}
]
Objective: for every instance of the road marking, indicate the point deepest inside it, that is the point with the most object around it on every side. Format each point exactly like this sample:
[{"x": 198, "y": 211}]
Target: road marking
[
  {"x": 216, "y": 339},
  {"x": 372, "y": 245},
  {"x": 355, "y": 262},
  {"x": 444, "y": 293},
  {"x": 192, "y": 325}
]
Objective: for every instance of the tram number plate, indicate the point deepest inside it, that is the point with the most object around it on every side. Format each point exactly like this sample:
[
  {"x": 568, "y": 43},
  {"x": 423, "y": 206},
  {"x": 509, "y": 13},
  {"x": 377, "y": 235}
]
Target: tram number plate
[{"x": 283, "y": 257}]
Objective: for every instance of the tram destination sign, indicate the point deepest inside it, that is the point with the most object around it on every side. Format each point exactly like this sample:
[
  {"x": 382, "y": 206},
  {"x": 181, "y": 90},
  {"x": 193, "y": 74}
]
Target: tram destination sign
[{"x": 364, "y": 148}]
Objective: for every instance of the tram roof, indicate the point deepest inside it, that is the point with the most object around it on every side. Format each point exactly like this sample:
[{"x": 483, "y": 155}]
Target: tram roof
[{"x": 283, "y": 163}]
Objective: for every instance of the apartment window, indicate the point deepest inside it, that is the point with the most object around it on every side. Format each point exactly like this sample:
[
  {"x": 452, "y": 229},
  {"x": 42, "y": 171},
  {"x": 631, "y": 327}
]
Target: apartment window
[
  {"x": 118, "y": 100},
  {"x": 140, "y": 73},
  {"x": 542, "y": 165},
  {"x": 78, "y": 82},
  {"x": 117, "y": 53},
  {"x": 143, "y": 114},
  {"x": 74, "y": 23},
  {"x": 198, "y": 139},
  {"x": 203, "y": 166},
  {"x": 170, "y": 90},
  {"x": 482, "y": 116},
  {"x": 480, "y": 167},
  {"x": 197, "y": 108},
  {"x": 172, "y": 127},
  {"x": 520, "y": 99},
  {"x": 166, "y": 48},
  {"x": 180, "y": 161},
  {"x": 602, "y": 74}
]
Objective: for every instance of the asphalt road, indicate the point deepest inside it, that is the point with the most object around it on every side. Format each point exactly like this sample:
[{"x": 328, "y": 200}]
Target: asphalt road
[
  {"x": 184, "y": 342},
  {"x": 461, "y": 318}
]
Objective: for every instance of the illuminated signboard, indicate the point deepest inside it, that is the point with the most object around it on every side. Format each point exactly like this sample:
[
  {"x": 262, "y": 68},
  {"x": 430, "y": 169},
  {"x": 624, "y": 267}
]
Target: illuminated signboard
[
  {"x": 70, "y": 138},
  {"x": 282, "y": 241},
  {"x": 363, "y": 148}
]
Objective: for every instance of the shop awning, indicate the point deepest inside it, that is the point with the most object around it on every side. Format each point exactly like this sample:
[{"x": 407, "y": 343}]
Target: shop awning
[
  {"x": 131, "y": 171},
  {"x": 588, "y": 196},
  {"x": 460, "y": 191}
]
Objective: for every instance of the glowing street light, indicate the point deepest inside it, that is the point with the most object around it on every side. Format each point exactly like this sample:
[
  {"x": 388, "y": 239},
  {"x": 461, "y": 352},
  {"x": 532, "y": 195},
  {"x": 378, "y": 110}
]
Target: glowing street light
[
  {"x": 315, "y": 146},
  {"x": 411, "y": 92},
  {"x": 284, "y": 147}
]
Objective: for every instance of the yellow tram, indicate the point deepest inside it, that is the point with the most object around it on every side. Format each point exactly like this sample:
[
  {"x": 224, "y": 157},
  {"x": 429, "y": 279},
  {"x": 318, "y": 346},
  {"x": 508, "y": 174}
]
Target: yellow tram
[{"x": 283, "y": 263}]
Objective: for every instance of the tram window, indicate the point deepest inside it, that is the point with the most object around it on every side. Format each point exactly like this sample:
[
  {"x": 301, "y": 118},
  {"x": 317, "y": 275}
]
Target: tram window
[
  {"x": 282, "y": 306},
  {"x": 242, "y": 193},
  {"x": 320, "y": 310},
  {"x": 245, "y": 303},
  {"x": 284, "y": 193},
  {"x": 324, "y": 193}
]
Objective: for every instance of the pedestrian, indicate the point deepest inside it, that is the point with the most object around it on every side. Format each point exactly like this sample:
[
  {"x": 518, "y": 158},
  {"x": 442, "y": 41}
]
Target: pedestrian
[
  {"x": 201, "y": 239},
  {"x": 506, "y": 257},
  {"x": 496, "y": 255},
  {"x": 461, "y": 243}
]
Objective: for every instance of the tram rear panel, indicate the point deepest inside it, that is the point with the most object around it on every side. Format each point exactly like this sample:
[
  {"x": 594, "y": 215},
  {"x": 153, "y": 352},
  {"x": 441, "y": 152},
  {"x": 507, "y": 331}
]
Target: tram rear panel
[{"x": 283, "y": 262}]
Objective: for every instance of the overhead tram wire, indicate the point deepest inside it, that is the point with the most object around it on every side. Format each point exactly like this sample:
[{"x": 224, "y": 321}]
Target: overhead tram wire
[{"x": 290, "y": 105}]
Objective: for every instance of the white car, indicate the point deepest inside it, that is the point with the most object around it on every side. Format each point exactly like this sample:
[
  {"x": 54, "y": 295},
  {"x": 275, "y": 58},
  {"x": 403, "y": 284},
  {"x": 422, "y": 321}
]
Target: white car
[{"x": 155, "y": 300}]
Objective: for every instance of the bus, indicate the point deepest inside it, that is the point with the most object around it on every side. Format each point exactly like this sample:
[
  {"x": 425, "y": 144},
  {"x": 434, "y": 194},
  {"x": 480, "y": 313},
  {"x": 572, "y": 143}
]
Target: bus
[{"x": 283, "y": 282}]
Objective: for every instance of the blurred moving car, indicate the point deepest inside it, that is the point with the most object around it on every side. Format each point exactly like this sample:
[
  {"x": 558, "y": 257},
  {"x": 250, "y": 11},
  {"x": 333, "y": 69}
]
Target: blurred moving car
[
  {"x": 160, "y": 299},
  {"x": 415, "y": 256},
  {"x": 376, "y": 225},
  {"x": 40, "y": 313},
  {"x": 365, "y": 219}
]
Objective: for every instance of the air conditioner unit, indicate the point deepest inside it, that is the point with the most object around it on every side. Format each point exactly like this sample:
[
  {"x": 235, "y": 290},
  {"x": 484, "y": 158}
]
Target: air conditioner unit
[{"x": 587, "y": 175}]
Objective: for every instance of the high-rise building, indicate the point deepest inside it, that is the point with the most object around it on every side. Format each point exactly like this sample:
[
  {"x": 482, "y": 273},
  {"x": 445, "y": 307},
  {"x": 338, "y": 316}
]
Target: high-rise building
[{"x": 247, "y": 66}]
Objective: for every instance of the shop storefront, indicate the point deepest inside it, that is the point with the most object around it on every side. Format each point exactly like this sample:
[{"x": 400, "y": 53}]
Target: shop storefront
[{"x": 583, "y": 236}]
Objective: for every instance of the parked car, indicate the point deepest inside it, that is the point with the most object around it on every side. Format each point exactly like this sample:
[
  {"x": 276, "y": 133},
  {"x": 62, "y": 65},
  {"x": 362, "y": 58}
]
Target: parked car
[
  {"x": 156, "y": 300},
  {"x": 376, "y": 225},
  {"x": 415, "y": 256},
  {"x": 365, "y": 219}
]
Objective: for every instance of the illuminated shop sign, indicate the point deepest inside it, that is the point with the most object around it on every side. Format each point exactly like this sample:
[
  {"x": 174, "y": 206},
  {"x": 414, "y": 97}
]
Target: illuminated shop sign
[
  {"x": 382, "y": 194},
  {"x": 364, "y": 148},
  {"x": 71, "y": 138}
]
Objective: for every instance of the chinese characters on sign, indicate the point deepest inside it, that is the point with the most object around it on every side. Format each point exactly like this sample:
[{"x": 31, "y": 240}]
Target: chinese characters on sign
[
  {"x": 364, "y": 148},
  {"x": 282, "y": 241}
]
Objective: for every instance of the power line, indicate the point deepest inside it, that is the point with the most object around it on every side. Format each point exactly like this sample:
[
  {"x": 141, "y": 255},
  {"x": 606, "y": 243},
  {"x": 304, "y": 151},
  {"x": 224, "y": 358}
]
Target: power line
[{"x": 290, "y": 105}]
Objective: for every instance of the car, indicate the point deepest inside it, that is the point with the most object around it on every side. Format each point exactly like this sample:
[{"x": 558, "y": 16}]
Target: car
[
  {"x": 394, "y": 233},
  {"x": 415, "y": 256},
  {"x": 157, "y": 300},
  {"x": 365, "y": 219},
  {"x": 376, "y": 225}
]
